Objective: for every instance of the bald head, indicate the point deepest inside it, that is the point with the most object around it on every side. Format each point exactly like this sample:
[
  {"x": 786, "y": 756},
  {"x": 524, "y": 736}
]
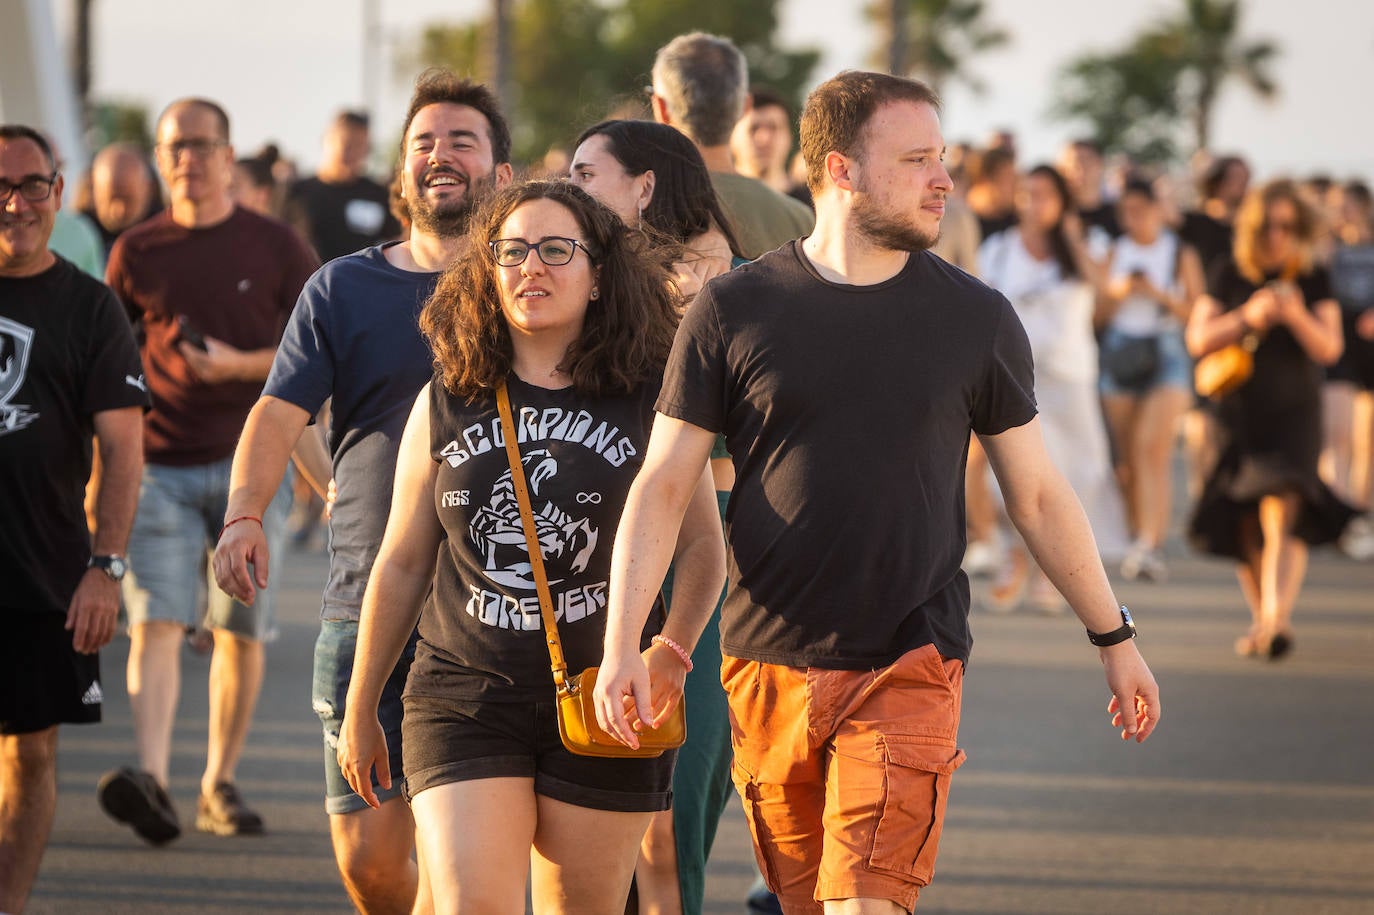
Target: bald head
[{"x": 121, "y": 185}]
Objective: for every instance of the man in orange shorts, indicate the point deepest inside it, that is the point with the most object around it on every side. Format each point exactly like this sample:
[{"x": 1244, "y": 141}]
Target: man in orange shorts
[{"x": 847, "y": 370}]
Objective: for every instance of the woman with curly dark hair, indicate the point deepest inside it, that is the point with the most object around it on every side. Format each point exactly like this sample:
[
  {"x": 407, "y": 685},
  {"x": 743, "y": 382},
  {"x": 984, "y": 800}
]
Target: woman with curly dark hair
[{"x": 555, "y": 300}]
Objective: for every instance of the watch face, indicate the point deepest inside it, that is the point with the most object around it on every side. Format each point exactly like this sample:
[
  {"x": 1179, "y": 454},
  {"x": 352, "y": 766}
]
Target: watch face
[
  {"x": 1126, "y": 616},
  {"x": 117, "y": 567}
]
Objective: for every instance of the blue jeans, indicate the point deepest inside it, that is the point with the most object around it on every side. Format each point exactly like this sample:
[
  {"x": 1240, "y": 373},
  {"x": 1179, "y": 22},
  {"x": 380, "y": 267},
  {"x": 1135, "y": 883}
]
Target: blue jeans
[
  {"x": 180, "y": 512},
  {"x": 329, "y": 691}
]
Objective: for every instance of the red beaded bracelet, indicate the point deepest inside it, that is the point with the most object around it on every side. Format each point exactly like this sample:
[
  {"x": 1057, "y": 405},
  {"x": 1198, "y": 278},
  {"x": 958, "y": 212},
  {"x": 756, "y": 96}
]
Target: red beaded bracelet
[
  {"x": 229, "y": 524},
  {"x": 681, "y": 652}
]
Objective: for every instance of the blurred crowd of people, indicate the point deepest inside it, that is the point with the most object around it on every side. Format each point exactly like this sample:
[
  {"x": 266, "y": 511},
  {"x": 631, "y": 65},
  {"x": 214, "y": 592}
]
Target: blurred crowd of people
[{"x": 1124, "y": 277}]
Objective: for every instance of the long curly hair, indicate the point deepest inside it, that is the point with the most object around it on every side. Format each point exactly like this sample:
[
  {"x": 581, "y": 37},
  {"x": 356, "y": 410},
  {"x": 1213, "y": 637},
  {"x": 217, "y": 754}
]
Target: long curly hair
[{"x": 628, "y": 329}]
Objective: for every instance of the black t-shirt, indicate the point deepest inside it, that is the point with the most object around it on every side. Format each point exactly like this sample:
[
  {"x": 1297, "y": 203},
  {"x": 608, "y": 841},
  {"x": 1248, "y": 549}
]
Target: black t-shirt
[
  {"x": 481, "y": 634},
  {"x": 1103, "y": 216},
  {"x": 989, "y": 226},
  {"x": 1211, "y": 239},
  {"x": 1284, "y": 376},
  {"x": 339, "y": 219},
  {"x": 66, "y": 353},
  {"x": 847, "y": 412}
]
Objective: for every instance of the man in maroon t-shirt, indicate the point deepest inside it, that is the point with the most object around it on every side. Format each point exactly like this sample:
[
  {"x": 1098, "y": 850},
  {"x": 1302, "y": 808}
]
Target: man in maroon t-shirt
[{"x": 212, "y": 285}]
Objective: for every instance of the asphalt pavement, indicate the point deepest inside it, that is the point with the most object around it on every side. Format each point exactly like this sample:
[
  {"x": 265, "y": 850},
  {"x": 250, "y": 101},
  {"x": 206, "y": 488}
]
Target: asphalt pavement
[{"x": 1255, "y": 796}]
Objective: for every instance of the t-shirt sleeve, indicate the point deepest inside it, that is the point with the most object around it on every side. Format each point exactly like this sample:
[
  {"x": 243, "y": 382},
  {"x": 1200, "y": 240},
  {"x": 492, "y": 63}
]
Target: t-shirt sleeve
[
  {"x": 303, "y": 369},
  {"x": 1005, "y": 397},
  {"x": 694, "y": 381},
  {"x": 114, "y": 372},
  {"x": 117, "y": 278},
  {"x": 1318, "y": 286}
]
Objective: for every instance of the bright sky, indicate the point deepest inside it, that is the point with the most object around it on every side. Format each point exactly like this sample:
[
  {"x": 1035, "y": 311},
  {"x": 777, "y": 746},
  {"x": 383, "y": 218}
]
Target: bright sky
[{"x": 281, "y": 67}]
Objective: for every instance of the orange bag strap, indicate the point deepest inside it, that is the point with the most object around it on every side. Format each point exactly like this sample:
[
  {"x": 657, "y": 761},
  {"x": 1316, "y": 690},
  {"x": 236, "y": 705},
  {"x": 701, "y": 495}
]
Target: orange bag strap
[{"x": 511, "y": 432}]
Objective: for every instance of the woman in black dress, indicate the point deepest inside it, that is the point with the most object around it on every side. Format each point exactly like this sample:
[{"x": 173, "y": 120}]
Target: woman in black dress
[{"x": 1263, "y": 502}]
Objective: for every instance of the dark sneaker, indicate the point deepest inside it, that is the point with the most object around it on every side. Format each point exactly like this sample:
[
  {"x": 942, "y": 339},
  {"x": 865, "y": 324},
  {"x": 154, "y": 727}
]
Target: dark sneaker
[
  {"x": 135, "y": 798},
  {"x": 223, "y": 813}
]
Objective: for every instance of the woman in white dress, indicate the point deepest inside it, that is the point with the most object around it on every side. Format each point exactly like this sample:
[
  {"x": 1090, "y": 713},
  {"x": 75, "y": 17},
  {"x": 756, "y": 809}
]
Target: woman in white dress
[{"x": 1043, "y": 266}]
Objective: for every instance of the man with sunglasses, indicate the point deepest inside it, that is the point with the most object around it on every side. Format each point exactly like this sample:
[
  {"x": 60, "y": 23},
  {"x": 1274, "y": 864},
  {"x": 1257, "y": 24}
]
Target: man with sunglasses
[
  {"x": 211, "y": 285},
  {"x": 68, "y": 369},
  {"x": 354, "y": 340}
]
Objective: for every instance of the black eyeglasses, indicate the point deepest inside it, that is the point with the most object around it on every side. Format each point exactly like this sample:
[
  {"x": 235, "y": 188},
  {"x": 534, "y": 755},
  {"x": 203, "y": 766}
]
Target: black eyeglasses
[
  {"x": 198, "y": 148},
  {"x": 554, "y": 251},
  {"x": 34, "y": 189}
]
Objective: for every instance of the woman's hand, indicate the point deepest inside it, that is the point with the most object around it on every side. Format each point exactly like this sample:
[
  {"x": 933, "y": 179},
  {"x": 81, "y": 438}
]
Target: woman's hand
[
  {"x": 1289, "y": 304},
  {"x": 361, "y": 747},
  {"x": 1261, "y": 311},
  {"x": 623, "y": 695}
]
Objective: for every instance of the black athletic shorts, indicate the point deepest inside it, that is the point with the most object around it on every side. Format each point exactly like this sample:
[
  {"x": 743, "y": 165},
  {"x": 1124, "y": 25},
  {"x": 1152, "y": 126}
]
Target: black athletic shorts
[
  {"x": 43, "y": 681},
  {"x": 450, "y": 740}
]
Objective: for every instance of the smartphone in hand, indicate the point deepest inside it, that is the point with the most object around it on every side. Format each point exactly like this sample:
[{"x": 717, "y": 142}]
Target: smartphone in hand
[{"x": 188, "y": 332}]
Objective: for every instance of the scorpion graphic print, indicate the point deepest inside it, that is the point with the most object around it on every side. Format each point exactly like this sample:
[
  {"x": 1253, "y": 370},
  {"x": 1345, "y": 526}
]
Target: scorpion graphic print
[
  {"x": 580, "y": 455},
  {"x": 567, "y": 542}
]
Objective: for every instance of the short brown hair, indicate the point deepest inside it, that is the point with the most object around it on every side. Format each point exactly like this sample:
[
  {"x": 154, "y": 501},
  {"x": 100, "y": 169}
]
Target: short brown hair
[
  {"x": 437, "y": 86},
  {"x": 628, "y": 329},
  {"x": 838, "y": 111}
]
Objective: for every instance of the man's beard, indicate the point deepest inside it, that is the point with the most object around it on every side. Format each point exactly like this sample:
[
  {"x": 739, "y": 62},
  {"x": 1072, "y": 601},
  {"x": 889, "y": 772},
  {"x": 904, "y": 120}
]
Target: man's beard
[
  {"x": 450, "y": 218},
  {"x": 882, "y": 230}
]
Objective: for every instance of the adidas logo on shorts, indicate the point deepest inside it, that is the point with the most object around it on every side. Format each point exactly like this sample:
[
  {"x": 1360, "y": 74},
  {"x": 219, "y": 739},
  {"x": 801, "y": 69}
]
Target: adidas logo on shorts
[{"x": 93, "y": 695}]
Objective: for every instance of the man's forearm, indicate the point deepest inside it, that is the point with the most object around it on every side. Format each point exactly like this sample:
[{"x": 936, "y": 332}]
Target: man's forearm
[
  {"x": 644, "y": 546},
  {"x": 116, "y": 498},
  {"x": 699, "y": 568},
  {"x": 1057, "y": 532},
  {"x": 256, "y": 364},
  {"x": 269, "y": 435}
]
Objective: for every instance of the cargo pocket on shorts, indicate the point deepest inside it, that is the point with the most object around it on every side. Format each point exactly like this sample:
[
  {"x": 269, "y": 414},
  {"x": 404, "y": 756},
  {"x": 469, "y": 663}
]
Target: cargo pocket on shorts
[
  {"x": 758, "y": 827},
  {"x": 916, "y": 779}
]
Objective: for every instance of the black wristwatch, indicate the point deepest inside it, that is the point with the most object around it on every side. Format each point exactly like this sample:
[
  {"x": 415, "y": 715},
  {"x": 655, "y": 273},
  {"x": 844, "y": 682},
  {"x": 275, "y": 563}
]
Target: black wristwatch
[
  {"x": 112, "y": 565},
  {"x": 1116, "y": 636}
]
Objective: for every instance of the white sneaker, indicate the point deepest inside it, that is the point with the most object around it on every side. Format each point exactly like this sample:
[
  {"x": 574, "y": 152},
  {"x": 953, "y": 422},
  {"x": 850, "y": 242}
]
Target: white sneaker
[
  {"x": 1143, "y": 563},
  {"x": 982, "y": 559},
  {"x": 1358, "y": 540}
]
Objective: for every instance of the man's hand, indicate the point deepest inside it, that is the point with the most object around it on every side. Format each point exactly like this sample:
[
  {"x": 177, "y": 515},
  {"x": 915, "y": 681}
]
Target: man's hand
[
  {"x": 1134, "y": 706},
  {"x": 241, "y": 544},
  {"x": 93, "y": 612},
  {"x": 217, "y": 363}
]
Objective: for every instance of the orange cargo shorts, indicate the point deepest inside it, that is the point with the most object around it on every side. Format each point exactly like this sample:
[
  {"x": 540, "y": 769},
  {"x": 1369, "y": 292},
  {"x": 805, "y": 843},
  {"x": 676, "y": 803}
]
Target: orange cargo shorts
[{"x": 845, "y": 774}]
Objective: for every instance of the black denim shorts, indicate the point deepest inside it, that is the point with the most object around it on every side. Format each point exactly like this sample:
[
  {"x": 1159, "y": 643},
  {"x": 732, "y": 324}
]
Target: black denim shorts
[{"x": 454, "y": 740}]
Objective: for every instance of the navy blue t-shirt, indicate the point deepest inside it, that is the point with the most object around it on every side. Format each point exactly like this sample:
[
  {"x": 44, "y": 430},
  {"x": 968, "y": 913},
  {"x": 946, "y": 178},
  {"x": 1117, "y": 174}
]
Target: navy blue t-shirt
[{"x": 354, "y": 336}]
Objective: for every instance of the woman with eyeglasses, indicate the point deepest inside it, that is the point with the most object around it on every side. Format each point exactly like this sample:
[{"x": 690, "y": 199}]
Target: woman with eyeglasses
[
  {"x": 1263, "y": 502},
  {"x": 554, "y": 299},
  {"x": 654, "y": 178}
]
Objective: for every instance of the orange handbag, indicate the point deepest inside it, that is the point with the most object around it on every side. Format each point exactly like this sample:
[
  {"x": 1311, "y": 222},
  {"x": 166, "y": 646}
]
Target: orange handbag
[
  {"x": 1219, "y": 373},
  {"x": 577, "y": 724}
]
